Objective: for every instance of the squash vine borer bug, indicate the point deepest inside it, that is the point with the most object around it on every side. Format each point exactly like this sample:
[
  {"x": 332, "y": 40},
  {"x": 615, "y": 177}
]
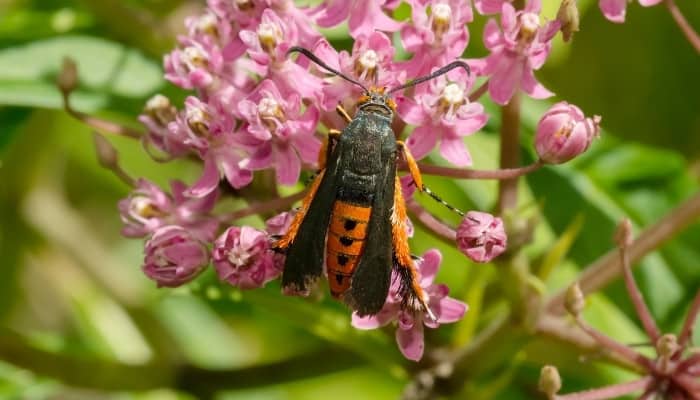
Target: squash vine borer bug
[{"x": 354, "y": 215}]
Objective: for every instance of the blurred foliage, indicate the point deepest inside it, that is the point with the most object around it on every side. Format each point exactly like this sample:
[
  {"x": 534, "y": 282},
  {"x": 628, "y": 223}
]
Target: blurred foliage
[{"x": 78, "y": 320}]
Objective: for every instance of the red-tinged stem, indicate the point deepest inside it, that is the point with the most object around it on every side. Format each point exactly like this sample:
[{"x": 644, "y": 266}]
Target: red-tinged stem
[
  {"x": 682, "y": 23},
  {"x": 461, "y": 173},
  {"x": 609, "y": 392},
  {"x": 688, "y": 364},
  {"x": 476, "y": 95},
  {"x": 510, "y": 152},
  {"x": 688, "y": 383},
  {"x": 636, "y": 296},
  {"x": 97, "y": 123},
  {"x": 613, "y": 345},
  {"x": 430, "y": 221},
  {"x": 687, "y": 330},
  {"x": 604, "y": 270},
  {"x": 272, "y": 205}
]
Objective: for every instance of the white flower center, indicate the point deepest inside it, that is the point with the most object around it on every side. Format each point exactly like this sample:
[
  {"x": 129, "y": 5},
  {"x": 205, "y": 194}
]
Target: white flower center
[
  {"x": 369, "y": 59},
  {"x": 453, "y": 94},
  {"x": 269, "y": 35},
  {"x": 157, "y": 102},
  {"x": 198, "y": 120},
  {"x": 207, "y": 24},
  {"x": 442, "y": 12},
  {"x": 529, "y": 24},
  {"x": 143, "y": 207},
  {"x": 238, "y": 256},
  {"x": 194, "y": 57},
  {"x": 268, "y": 107}
]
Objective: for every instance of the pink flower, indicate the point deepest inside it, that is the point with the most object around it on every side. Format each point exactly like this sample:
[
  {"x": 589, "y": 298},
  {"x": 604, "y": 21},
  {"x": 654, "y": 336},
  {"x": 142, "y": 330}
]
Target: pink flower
[
  {"x": 371, "y": 63},
  {"x": 267, "y": 47},
  {"x": 279, "y": 224},
  {"x": 437, "y": 36},
  {"x": 148, "y": 208},
  {"x": 481, "y": 236},
  {"x": 442, "y": 113},
  {"x": 564, "y": 132},
  {"x": 278, "y": 133},
  {"x": 409, "y": 334},
  {"x": 174, "y": 256},
  {"x": 243, "y": 258},
  {"x": 156, "y": 117},
  {"x": 209, "y": 130},
  {"x": 486, "y": 7},
  {"x": 193, "y": 65},
  {"x": 615, "y": 10},
  {"x": 276, "y": 227},
  {"x": 366, "y": 16},
  {"x": 521, "y": 47}
]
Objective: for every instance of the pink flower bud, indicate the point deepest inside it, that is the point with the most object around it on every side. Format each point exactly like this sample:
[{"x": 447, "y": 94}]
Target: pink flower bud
[
  {"x": 481, "y": 236},
  {"x": 243, "y": 258},
  {"x": 564, "y": 132},
  {"x": 174, "y": 256}
]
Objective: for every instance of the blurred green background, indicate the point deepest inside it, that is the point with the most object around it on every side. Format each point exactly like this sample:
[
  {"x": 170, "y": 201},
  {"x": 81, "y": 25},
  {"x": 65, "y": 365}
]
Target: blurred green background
[{"x": 79, "y": 320}]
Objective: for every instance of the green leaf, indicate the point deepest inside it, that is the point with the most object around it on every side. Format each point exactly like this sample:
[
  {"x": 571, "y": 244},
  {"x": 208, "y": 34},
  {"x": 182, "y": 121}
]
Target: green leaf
[{"x": 108, "y": 71}]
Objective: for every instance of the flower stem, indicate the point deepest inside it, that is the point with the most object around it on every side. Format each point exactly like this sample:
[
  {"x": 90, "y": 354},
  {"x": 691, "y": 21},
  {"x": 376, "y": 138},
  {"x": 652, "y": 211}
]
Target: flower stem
[
  {"x": 687, "y": 330},
  {"x": 272, "y": 205},
  {"x": 636, "y": 296},
  {"x": 604, "y": 270},
  {"x": 461, "y": 173},
  {"x": 97, "y": 123},
  {"x": 476, "y": 95},
  {"x": 430, "y": 222},
  {"x": 682, "y": 23},
  {"x": 510, "y": 152},
  {"x": 613, "y": 345},
  {"x": 609, "y": 392}
]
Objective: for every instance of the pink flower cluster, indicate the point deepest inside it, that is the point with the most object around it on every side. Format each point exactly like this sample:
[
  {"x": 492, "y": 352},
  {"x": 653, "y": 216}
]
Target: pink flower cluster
[{"x": 254, "y": 107}]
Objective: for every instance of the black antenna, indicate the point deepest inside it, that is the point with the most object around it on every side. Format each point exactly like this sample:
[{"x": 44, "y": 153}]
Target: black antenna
[
  {"x": 447, "y": 68},
  {"x": 311, "y": 56}
]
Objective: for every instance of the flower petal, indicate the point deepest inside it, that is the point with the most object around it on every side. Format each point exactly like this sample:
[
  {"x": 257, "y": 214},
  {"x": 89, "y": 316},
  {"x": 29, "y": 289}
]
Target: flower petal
[{"x": 411, "y": 342}]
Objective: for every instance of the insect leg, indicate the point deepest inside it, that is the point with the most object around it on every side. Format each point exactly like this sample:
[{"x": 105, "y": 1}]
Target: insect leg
[
  {"x": 339, "y": 108},
  {"x": 412, "y": 166},
  {"x": 418, "y": 180},
  {"x": 402, "y": 253},
  {"x": 288, "y": 237}
]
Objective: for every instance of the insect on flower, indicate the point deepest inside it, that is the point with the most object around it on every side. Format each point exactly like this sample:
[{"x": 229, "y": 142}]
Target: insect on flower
[{"x": 354, "y": 215}]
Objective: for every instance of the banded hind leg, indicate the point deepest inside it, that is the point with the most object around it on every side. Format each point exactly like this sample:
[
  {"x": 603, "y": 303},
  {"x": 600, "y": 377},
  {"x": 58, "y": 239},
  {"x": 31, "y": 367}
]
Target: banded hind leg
[{"x": 403, "y": 262}]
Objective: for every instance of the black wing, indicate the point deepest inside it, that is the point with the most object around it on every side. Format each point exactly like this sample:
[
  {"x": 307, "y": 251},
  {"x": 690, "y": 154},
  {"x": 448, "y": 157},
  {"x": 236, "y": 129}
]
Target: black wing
[
  {"x": 371, "y": 279},
  {"x": 304, "y": 262}
]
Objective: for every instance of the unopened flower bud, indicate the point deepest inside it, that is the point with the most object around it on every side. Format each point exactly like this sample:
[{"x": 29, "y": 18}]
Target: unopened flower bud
[
  {"x": 623, "y": 235},
  {"x": 106, "y": 153},
  {"x": 564, "y": 132},
  {"x": 667, "y": 345},
  {"x": 68, "y": 77},
  {"x": 550, "y": 381},
  {"x": 569, "y": 18},
  {"x": 481, "y": 236},
  {"x": 243, "y": 258},
  {"x": 574, "y": 301},
  {"x": 174, "y": 257}
]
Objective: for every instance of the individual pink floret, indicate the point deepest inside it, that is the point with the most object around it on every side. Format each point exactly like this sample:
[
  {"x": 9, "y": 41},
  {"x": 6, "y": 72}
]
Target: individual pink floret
[
  {"x": 409, "y": 332},
  {"x": 518, "y": 48},
  {"x": 174, "y": 256},
  {"x": 442, "y": 112},
  {"x": 242, "y": 257},
  {"x": 481, "y": 236},
  {"x": 277, "y": 133},
  {"x": 564, "y": 132}
]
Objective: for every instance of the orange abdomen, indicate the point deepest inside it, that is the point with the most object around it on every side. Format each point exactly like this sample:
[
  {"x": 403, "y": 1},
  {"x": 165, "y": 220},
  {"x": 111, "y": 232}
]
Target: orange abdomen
[{"x": 346, "y": 240}]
